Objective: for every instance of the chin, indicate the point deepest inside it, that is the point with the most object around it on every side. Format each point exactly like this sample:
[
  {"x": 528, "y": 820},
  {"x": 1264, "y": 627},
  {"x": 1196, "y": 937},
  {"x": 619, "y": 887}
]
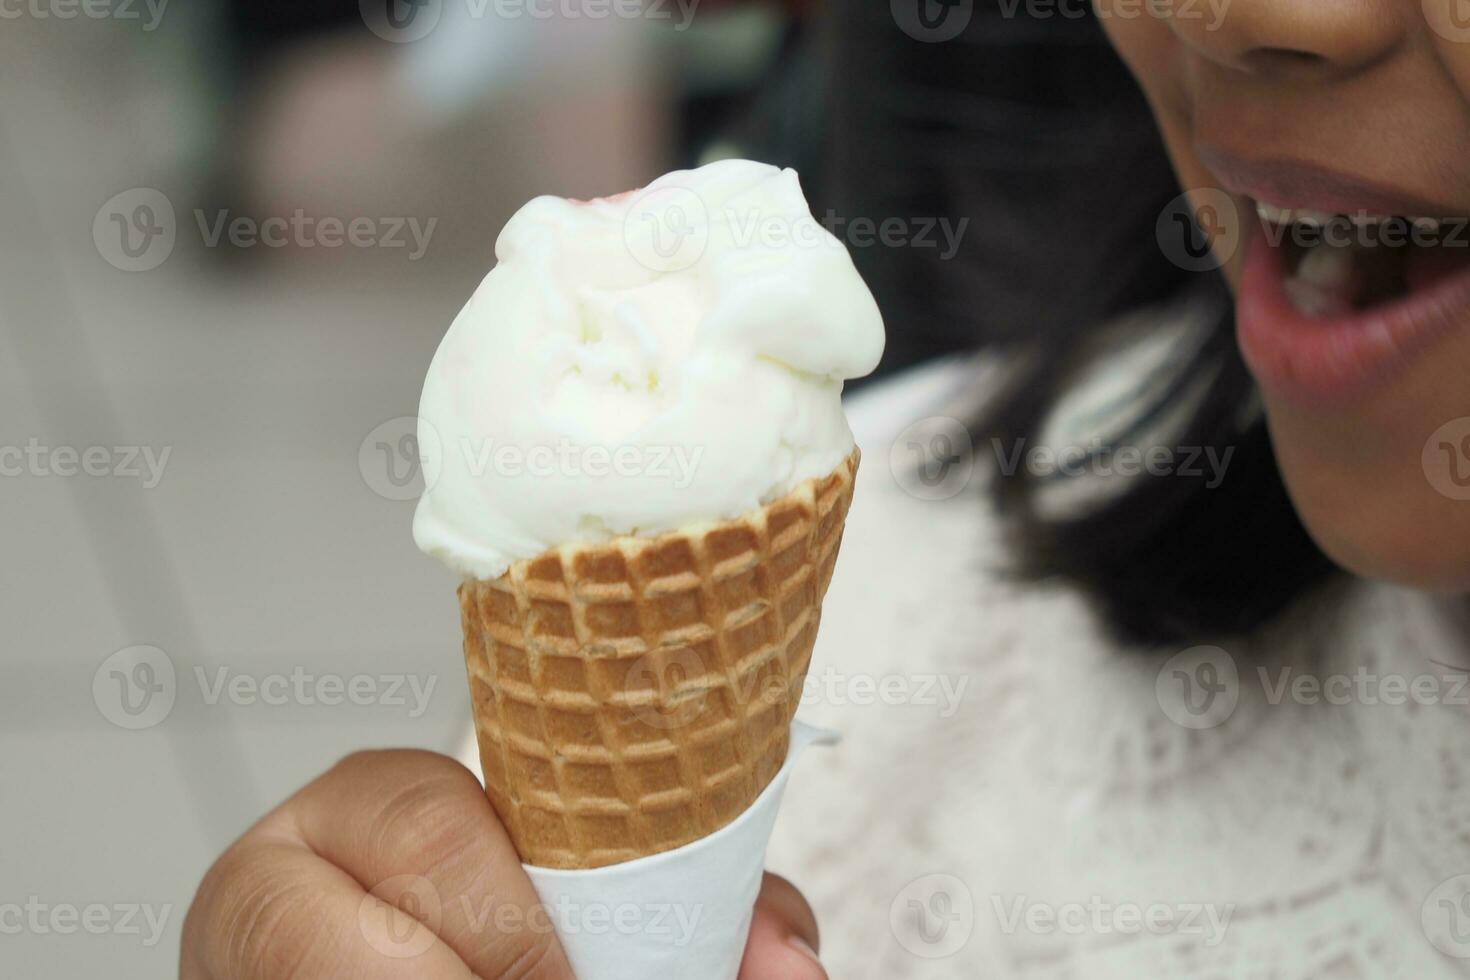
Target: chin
[{"x": 1368, "y": 504}]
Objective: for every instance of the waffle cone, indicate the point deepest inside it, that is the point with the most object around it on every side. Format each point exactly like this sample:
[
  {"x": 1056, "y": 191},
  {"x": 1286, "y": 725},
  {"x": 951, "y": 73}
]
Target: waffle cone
[{"x": 634, "y": 696}]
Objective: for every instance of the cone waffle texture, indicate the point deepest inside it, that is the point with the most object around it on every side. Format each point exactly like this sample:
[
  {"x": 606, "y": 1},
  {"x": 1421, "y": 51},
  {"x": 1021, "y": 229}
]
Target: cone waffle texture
[{"x": 634, "y": 696}]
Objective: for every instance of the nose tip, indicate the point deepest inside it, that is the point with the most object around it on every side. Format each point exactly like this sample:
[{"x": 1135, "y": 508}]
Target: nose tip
[{"x": 1300, "y": 37}]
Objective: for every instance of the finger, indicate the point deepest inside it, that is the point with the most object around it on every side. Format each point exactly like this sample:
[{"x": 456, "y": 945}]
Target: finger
[
  {"x": 270, "y": 909},
  {"x": 417, "y": 826},
  {"x": 783, "y": 936}
]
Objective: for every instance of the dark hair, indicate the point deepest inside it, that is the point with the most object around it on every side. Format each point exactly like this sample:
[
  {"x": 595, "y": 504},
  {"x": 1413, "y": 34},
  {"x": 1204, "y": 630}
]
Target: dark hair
[
  {"x": 1031, "y": 128},
  {"x": 1167, "y": 558},
  {"x": 1034, "y": 129}
]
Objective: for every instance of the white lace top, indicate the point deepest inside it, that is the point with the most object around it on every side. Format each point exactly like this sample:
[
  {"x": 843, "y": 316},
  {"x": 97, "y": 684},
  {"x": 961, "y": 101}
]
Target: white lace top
[{"x": 1017, "y": 798}]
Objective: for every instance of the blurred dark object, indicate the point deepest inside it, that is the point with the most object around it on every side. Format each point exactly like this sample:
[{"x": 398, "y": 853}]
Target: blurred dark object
[
  {"x": 779, "y": 121},
  {"x": 1030, "y": 127},
  {"x": 1023, "y": 139},
  {"x": 259, "y": 27}
]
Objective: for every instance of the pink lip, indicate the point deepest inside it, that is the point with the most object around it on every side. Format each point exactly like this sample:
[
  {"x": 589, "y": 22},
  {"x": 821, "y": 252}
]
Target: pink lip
[
  {"x": 1300, "y": 184},
  {"x": 1335, "y": 360}
]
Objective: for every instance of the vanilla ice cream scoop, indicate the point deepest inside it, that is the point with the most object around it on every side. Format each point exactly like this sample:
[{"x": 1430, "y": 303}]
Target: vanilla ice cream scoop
[{"x": 640, "y": 364}]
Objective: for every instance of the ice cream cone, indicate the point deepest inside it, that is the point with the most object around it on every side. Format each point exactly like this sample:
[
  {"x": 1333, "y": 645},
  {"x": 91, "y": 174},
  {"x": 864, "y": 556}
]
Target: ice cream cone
[{"x": 634, "y": 696}]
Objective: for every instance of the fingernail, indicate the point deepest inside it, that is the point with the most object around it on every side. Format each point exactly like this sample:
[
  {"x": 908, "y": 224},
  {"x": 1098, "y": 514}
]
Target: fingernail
[{"x": 805, "y": 948}]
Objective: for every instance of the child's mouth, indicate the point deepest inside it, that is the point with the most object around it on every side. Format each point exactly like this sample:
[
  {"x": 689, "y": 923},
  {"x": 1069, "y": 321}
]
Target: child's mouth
[{"x": 1331, "y": 305}]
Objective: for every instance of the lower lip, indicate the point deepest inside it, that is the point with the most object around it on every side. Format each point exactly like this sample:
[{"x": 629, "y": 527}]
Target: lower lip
[{"x": 1342, "y": 359}]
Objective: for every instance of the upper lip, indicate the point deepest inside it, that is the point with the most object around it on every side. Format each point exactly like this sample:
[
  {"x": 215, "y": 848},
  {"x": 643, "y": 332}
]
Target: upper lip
[{"x": 1290, "y": 183}]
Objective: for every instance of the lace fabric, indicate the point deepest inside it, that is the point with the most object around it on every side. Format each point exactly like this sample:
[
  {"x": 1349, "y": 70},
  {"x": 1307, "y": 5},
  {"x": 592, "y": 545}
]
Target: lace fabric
[{"x": 1025, "y": 801}]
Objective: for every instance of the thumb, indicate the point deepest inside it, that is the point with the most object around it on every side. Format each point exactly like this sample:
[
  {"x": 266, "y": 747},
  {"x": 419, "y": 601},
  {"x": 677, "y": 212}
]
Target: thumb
[{"x": 783, "y": 936}]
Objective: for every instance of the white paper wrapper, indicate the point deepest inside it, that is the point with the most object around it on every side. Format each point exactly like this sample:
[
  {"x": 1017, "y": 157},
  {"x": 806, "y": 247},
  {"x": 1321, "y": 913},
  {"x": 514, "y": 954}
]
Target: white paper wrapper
[{"x": 683, "y": 913}]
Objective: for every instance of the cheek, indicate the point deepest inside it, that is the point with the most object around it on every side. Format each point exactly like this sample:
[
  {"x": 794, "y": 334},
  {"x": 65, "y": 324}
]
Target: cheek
[
  {"x": 1449, "y": 32},
  {"x": 1161, "y": 64}
]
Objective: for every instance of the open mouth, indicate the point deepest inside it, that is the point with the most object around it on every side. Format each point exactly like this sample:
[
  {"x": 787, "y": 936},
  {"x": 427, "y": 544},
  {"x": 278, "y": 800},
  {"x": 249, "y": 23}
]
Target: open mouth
[
  {"x": 1332, "y": 304},
  {"x": 1337, "y": 264}
]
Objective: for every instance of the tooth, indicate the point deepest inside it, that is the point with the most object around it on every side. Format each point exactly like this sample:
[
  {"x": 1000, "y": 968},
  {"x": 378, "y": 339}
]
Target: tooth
[
  {"x": 1327, "y": 266},
  {"x": 1317, "y": 219},
  {"x": 1272, "y": 214},
  {"x": 1367, "y": 219},
  {"x": 1323, "y": 283},
  {"x": 1311, "y": 300},
  {"x": 1277, "y": 215}
]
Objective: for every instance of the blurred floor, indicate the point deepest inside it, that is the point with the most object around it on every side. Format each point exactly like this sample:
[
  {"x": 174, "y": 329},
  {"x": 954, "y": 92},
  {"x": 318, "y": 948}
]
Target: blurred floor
[
  {"x": 263, "y": 548},
  {"x": 270, "y": 546}
]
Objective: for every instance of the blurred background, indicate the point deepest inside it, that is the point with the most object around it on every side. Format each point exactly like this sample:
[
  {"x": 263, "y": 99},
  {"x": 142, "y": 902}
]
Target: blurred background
[{"x": 231, "y": 236}]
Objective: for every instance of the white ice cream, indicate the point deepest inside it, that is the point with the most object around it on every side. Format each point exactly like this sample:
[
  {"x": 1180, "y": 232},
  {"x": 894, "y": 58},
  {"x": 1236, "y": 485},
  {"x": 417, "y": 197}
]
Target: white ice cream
[{"x": 640, "y": 363}]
